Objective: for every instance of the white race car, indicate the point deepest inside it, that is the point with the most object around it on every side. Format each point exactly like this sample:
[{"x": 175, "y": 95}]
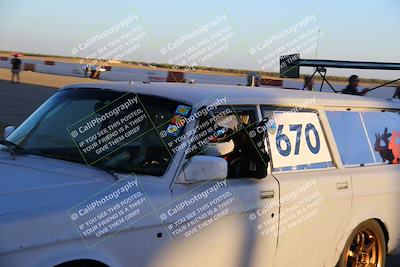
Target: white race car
[{"x": 167, "y": 174}]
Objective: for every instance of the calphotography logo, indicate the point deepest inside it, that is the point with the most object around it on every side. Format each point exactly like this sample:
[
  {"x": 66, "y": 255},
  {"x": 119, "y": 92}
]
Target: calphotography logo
[
  {"x": 110, "y": 211},
  {"x": 199, "y": 209}
]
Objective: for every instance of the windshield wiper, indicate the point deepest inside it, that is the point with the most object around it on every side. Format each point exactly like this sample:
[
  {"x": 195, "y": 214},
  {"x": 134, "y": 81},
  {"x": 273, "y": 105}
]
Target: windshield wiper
[
  {"x": 110, "y": 172},
  {"x": 11, "y": 147}
]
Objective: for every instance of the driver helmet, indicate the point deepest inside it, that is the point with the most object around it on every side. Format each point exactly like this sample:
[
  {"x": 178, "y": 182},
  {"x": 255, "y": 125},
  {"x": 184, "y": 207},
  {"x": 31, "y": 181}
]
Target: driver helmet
[{"x": 220, "y": 142}]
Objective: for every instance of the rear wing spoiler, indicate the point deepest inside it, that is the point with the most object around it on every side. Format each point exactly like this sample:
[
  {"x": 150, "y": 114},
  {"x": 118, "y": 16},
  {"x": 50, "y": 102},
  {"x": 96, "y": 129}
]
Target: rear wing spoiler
[{"x": 290, "y": 67}]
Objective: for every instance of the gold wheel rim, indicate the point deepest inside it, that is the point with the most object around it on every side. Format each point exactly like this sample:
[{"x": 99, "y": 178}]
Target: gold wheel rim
[{"x": 365, "y": 250}]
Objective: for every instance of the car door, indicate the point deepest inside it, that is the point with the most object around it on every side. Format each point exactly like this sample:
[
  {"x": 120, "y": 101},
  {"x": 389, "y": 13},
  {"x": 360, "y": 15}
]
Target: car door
[
  {"x": 315, "y": 200},
  {"x": 234, "y": 224}
]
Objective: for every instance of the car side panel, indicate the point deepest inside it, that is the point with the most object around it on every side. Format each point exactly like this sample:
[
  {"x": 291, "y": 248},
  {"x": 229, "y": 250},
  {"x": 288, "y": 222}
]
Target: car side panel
[{"x": 377, "y": 195}]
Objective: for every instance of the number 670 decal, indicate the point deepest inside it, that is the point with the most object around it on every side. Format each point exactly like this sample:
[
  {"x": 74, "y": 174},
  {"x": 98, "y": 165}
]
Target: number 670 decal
[{"x": 298, "y": 128}]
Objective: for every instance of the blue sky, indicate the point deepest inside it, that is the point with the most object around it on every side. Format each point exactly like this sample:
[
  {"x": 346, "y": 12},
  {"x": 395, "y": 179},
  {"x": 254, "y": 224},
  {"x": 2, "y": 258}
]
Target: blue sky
[{"x": 352, "y": 30}]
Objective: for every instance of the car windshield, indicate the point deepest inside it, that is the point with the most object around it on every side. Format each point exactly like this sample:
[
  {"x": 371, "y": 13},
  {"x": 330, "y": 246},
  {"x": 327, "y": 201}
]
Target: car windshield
[{"x": 117, "y": 131}]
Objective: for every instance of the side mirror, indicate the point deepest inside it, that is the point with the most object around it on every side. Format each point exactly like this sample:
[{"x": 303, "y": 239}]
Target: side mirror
[
  {"x": 204, "y": 168},
  {"x": 8, "y": 130}
]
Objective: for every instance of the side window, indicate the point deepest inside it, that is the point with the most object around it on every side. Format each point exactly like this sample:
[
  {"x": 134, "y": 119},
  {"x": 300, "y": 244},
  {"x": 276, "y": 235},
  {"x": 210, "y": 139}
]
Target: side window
[
  {"x": 351, "y": 139},
  {"x": 229, "y": 134},
  {"x": 296, "y": 141},
  {"x": 383, "y": 130},
  {"x": 366, "y": 137}
]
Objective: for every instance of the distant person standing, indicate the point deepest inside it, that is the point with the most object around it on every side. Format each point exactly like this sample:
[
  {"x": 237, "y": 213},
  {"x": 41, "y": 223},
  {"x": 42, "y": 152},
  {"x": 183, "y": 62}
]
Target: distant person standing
[
  {"x": 15, "y": 68},
  {"x": 397, "y": 92},
  {"x": 86, "y": 71},
  {"x": 100, "y": 70},
  {"x": 253, "y": 79},
  {"x": 352, "y": 87},
  {"x": 309, "y": 83}
]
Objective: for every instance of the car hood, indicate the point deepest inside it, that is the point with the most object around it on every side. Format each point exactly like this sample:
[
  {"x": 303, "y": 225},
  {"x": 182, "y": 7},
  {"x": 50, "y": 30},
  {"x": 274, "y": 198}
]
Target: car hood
[
  {"x": 30, "y": 182},
  {"x": 37, "y": 193}
]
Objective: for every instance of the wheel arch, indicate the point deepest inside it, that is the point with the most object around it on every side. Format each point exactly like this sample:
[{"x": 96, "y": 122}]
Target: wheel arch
[
  {"x": 346, "y": 234},
  {"x": 385, "y": 231},
  {"x": 82, "y": 263}
]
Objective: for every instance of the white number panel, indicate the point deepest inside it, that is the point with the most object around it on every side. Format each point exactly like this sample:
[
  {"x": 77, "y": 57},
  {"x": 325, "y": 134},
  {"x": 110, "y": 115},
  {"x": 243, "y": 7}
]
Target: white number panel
[{"x": 296, "y": 139}]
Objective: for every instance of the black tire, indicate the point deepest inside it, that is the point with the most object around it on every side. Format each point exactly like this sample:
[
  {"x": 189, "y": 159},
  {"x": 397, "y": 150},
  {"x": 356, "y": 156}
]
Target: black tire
[{"x": 366, "y": 244}]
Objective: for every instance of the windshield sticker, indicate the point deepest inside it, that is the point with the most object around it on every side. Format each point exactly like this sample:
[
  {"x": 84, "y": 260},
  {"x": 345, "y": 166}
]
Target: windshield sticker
[
  {"x": 182, "y": 110},
  {"x": 172, "y": 130},
  {"x": 178, "y": 121}
]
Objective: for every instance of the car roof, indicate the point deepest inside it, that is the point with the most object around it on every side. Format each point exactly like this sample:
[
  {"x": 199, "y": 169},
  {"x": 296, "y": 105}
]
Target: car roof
[{"x": 204, "y": 94}]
